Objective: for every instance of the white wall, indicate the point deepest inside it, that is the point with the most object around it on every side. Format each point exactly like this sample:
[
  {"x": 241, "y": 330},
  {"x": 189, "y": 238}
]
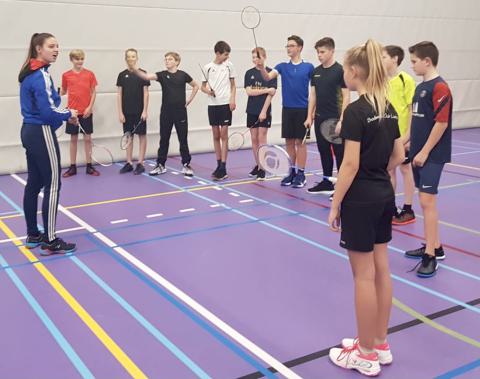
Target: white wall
[{"x": 104, "y": 29}]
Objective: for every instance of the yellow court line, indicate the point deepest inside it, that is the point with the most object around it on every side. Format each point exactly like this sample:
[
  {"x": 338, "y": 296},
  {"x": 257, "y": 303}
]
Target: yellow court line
[
  {"x": 435, "y": 325},
  {"x": 157, "y": 194},
  {"x": 97, "y": 330}
]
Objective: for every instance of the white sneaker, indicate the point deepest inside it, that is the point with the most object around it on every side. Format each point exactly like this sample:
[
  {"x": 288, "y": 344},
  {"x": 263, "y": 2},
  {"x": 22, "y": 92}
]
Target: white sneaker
[
  {"x": 353, "y": 359},
  {"x": 385, "y": 356},
  {"x": 187, "y": 170},
  {"x": 158, "y": 169}
]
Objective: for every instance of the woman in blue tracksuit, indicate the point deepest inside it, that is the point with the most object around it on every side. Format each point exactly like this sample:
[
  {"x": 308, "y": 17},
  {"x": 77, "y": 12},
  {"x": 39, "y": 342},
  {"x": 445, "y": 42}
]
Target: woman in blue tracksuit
[{"x": 39, "y": 102}]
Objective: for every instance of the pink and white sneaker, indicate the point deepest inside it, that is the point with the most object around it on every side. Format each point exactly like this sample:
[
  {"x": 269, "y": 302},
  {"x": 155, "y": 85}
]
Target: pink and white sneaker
[
  {"x": 385, "y": 356},
  {"x": 353, "y": 359}
]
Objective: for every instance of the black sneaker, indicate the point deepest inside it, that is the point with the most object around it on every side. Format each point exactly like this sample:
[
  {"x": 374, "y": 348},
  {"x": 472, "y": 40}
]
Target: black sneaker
[
  {"x": 418, "y": 253},
  {"x": 221, "y": 174},
  {"x": 139, "y": 169},
  {"x": 254, "y": 172},
  {"x": 57, "y": 246},
  {"x": 287, "y": 181},
  {"x": 428, "y": 266},
  {"x": 126, "y": 168},
  {"x": 325, "y": 187},
  {"x": 72, "y": 170},
  {"x": 90, "y": 170},
  {"x": 261, "y": 174},
  {"x": 34, "y": 241},
  {"x": 215, "y": 172}
]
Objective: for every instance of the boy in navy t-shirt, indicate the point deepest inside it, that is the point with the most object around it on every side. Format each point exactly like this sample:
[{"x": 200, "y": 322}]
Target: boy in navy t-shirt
[
  {"x": 430, "y": 148},
  {"x": 295, "y": 76},
  {"x": 259, "y": 109}
]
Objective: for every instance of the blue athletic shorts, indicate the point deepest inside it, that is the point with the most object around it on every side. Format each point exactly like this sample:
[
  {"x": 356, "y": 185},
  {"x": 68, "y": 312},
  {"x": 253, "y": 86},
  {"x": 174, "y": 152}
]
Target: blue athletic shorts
[{"x": 427, "y": 177}]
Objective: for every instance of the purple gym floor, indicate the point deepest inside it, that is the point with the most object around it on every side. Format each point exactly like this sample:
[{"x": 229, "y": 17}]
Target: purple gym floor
[{"x": 259, "y": 257}]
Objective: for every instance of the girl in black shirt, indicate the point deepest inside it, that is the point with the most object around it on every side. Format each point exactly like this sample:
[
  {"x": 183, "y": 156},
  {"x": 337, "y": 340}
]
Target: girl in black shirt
[{"x": 366, "y": 198}]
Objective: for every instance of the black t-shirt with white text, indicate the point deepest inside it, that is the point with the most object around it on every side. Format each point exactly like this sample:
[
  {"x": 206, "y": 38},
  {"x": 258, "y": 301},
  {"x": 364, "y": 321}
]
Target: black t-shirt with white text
[
  {"x": 376, "y": 136},
  {"x": 328, "y": 83},
  {"x": 132, "y": 92},
  {"x": 173, "y": 88},
  {"x": 253, "y": 78}
]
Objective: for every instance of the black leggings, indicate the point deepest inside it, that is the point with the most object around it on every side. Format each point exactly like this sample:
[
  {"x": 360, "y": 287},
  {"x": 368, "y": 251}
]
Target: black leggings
[{"x": 325, "y": 150}]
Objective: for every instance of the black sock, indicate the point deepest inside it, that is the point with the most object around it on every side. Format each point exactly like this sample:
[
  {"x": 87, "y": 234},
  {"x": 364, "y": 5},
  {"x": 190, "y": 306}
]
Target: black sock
[
  {"x": 407, "y": 207},
  {"x": 218, "y": 162},
  {"x": 301, "y": 170},
  {"x": 223, "y": 165},
  {"x": 438, "y": 249}
]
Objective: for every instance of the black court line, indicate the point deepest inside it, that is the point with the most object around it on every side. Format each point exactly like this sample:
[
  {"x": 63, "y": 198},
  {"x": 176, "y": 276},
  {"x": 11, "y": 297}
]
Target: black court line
[{"x": 394, "y": 329}]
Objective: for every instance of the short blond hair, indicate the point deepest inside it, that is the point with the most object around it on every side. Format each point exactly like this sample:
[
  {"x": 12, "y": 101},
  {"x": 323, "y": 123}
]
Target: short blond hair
[
  {"x": 260, "y": 51},
  {"x": 77, "y": 53},
  {"x": 174, "y": 55},
  {"x": 132, "y": 50}
]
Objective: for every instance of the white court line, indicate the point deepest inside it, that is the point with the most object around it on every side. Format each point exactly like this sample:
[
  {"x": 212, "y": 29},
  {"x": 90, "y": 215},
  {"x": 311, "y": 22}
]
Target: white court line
[
  {"x": 218, "y": 188},
  {"x": 119, "y": 221},
  {"x": 246, "y": 201},
  {"x": 215, "y": 205},
  {"x": 152, "y": 164},
  {"x": 174, "y": 173},
  {"x": 186, "y": 210},
  {"x": 201, "y": 182},
  {"x": 464, "y": 166},
  {"x": 155, "y": 215},
  {"x": 234, "y": 194},
  {"x": 466, "y": 153},
  {"x": 200, "y": 309},
  {"x": 188, "y": 177},
  {"x": 57, "y": 232}
]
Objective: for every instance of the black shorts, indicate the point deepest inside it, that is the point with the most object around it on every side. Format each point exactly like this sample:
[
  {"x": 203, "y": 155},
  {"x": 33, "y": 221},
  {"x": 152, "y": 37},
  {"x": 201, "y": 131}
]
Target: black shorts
[
  {"x": 293, "y": 122},
  {"x": 131, "y": 121},
  {"x": 253, "y": 118},
  {"x": 220, "y": 115},
  {"x": 87, "y": 126},
  {"x": 427, "y": 178},
  {"x": 364, "y": 225}
]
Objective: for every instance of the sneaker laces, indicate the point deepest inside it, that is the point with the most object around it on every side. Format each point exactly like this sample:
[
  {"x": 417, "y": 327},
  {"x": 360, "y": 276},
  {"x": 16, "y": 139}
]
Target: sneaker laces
[
  {"x": 347, "y": 351},
  {"x": 425, "y": 258}
]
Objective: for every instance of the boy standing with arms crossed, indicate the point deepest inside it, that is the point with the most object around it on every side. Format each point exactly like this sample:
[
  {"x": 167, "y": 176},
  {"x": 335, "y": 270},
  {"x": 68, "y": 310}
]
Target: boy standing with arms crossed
[
  {"x": 79, "y": 83},
  {"x": 430, "y": 148},
  {"x": 219, "y": 85}
]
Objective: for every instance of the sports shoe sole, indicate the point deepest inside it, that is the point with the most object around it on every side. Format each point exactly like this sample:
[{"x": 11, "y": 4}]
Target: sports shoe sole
[
  {"x": 427, "y": 275},
  {"x": 31, "y": 245},
  {"x": 420, "y": 257},
  {"x": 46, "y": 252},
  {"x": 326, "y": 193},
  {"x": 404, "y": 223}
]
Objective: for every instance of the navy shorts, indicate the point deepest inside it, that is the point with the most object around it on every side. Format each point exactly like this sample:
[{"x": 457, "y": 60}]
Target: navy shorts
[
  {"x": 87, "y": 126},
  {"x": 427, "y": 177},
  {"x": 365, "y": 225},
  {"x": 252, "y": 121},
  {"x": 131, "y": 121},
  {"x": 219, "y": 115}
]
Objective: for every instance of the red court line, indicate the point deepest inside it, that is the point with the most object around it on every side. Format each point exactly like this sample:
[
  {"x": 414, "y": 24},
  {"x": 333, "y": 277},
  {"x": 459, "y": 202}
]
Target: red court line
[
  {"x": 394, "y": 229},
  {"x": 327, "y": 207}
]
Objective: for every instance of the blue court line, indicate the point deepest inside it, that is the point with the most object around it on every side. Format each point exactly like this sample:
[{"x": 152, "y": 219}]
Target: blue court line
[
  {"x": 179, "y": 354},
  {"x": 315, "y": 244},
  {"x": 184, "y": 309},
  {"x": 10, "y": 213},
  {"x": 460, "y": 370},
  {"x": 257, "y": 365},
  {"x": 142, "y": 320},
  {"x": 49, "y": 324}
]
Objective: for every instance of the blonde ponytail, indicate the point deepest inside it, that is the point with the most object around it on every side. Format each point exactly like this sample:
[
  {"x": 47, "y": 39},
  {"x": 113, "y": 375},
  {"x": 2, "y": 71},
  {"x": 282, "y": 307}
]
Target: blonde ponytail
[{"x": 368, "y": 58}]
